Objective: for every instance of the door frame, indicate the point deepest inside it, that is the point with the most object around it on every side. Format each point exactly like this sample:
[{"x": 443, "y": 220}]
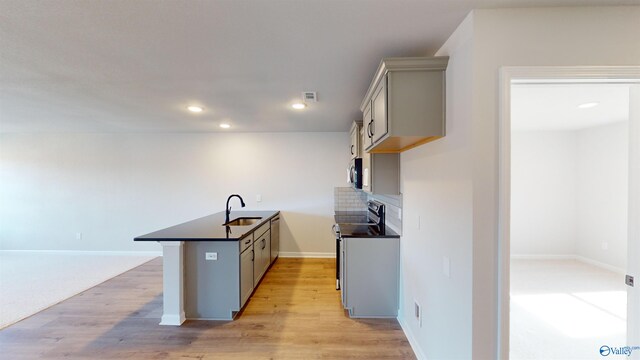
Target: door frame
[{"x": 507, "y": 75}]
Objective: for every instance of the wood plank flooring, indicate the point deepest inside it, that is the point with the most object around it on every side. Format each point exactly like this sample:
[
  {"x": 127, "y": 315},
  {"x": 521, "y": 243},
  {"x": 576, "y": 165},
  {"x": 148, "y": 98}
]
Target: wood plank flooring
[{"x": 294, "y": 314}]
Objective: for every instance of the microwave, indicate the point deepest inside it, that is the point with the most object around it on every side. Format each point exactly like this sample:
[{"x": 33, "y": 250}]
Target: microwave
[{"x": 354, "y": 173}]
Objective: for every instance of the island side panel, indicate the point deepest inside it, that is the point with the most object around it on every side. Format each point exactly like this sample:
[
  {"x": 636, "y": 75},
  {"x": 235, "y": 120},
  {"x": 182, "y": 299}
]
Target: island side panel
[
  {"x": 172, "y": 283},
  {"x": 212, "y": 287}
]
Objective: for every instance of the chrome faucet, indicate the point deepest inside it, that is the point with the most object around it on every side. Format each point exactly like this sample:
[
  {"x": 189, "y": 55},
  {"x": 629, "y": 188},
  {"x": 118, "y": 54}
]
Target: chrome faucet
[{"x": 228, "y": 211}]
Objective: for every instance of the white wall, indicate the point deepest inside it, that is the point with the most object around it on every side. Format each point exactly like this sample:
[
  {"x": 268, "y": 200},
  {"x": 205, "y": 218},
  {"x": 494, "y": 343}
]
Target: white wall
[
  {"x": 437, "y": 189},
  {"x": 544, "y": 178},
  {"x": 603, "y": 172},
  {"x": 454, "y": 181},
  {"x": 569, "y": 193},
  {"x": 113, "y": 187}
]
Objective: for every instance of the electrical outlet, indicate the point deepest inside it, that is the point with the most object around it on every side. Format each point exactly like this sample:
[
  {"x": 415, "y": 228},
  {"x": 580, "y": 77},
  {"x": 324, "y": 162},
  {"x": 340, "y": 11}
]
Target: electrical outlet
[
  {"x": 417, "y": 312},
  {"x": 258, "y": 198},
  {"x": 628, "y": 279},
  {"x": 399, "y": 214},
  {"x": 211, "y": 256}
]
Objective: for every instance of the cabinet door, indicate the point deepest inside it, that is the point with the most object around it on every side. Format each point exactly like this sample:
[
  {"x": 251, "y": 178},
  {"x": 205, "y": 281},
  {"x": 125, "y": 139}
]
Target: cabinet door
[
  {"x": 263, "y": 255},
  {"x": 367, "y": 124},
  {"x": 275, "y": 238},
  {"x": 379, "y": 111},
  {"x": 355, "y": 140},
  {"x": 246, "y": 274},
  {"x": 266, "y": 248},
  {"x": 366, "y": 166},
  {"x": 257, "y": 263},
  {"x": 371, "y": 277}
]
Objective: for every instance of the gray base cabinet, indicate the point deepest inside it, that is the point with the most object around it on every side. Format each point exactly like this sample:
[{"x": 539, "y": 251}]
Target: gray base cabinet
[
  {"x": 369, "y": 274},
  {"x": 262, "y": 250},
  {"x": 212, "y": 287},
  {"x": 218, "y": 289},
  {"x": 275, "y": 238},
  {"x": 246, "y": 274}
]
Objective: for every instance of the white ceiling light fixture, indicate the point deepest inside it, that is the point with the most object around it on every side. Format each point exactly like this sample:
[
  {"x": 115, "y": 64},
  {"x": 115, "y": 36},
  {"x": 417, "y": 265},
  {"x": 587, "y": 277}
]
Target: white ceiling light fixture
[
  {"x": 225, "y": 126},
  {"x": 299, "y": 106},
  {"x": 588, "y": 105},
  {"x": 195, "y": 108}
]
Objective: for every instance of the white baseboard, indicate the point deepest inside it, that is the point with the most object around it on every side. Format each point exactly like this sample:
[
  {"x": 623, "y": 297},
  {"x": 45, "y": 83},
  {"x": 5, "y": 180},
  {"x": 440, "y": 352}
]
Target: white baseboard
[
  {"x": 544, "y": 257},
  {"x": 321, "y": 255},
  {"x": 412, "y": 340},
  {"x": 84, "y": 252},
  {"x": 571, "y": 257},
  {"x": 602, "y": 265}
]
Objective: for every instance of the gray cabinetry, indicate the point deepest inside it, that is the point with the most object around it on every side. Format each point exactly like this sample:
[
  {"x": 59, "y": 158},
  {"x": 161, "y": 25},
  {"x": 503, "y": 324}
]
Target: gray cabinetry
[
  {"x": 246, "y": 274},
  {"x": 379, "y": 113},
  {"x": 366, "y": 139},
  {"x": 380, "y": 172},
  {"x": 369, "y": 276},
  {"x": 355, "y": 140},
  {"x": 275, "y": 238},
  {"x": 220, "y": 276},
  {"x": 262, "y": 250},
  {"x": 212, "y": 287},
  {"x": 405, "y": 104}
]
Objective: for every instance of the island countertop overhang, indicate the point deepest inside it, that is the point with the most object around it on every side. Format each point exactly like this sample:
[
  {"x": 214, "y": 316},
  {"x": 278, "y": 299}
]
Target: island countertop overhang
[{"x": 210, "y": 228}]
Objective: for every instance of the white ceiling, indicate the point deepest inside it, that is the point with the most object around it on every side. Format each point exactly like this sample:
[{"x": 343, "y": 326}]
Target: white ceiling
[
  {"x": 134, "y": 65},
  {"x": 555, "y": 106}
]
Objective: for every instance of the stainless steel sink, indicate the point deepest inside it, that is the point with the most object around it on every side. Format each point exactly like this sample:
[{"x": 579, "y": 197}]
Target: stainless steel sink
[{"x": 243, "y": 221}]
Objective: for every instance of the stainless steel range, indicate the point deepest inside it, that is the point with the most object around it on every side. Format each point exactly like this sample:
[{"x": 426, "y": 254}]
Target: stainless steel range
[{"x": 365, "y": 224}]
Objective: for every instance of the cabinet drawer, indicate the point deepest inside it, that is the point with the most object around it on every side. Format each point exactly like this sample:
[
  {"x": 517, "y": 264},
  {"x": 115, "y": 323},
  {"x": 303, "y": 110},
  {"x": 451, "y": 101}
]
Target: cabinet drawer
[
  {"x": 261, "y": 230},
  {"x": 246, "y": 242}
]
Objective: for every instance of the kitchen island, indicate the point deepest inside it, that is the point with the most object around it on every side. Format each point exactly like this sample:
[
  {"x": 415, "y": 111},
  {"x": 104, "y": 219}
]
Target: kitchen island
[{"x": 211, "y": 269}]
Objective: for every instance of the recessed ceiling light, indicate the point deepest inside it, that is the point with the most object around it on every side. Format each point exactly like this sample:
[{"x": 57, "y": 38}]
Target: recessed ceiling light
[
  {"x": 588, "y": 105},
  {"x": 225, "y": 126},
  {"x": 195, "y": 108},
  {"x": 299, "y": 106}
]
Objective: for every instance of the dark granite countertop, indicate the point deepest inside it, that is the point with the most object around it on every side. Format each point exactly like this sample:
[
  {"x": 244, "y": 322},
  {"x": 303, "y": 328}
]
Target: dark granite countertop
[
  {"x": 354, "y": 224},
  {"x": 210, "y": 228},
  {"x": 366, "y": 231}
]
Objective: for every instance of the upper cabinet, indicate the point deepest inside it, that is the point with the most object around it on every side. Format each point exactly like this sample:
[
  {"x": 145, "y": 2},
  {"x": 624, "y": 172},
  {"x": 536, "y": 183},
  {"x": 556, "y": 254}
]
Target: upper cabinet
[
  {"x": 405, "y": 104},
  {"x": 355, "y": 140}
]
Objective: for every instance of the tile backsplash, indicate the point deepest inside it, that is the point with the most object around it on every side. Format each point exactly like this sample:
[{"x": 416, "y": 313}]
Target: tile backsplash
[{"x": 350, "y": 199}]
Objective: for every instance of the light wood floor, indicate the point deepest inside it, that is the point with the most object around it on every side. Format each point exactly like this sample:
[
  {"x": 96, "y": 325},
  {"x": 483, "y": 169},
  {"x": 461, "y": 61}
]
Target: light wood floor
[{"x": 294, "y": 314}]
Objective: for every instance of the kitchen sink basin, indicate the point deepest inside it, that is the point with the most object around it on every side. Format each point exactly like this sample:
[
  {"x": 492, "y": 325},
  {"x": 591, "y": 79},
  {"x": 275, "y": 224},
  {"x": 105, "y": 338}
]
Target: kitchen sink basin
[{"x": 243, "y": 221}]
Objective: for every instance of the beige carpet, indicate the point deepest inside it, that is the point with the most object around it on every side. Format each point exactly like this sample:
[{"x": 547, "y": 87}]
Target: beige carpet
[
  {"x": 31, "y": 282},
  {"x": 565, "y": 309}
]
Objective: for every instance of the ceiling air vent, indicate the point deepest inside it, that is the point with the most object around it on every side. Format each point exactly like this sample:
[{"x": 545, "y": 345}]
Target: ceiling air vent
[{"x": 309, "y": 96}]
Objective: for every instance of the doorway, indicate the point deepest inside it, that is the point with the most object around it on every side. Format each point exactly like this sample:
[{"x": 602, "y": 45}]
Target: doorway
[
  {"x": 569, "y": 171},
  {"x": 568, "y": 211}
]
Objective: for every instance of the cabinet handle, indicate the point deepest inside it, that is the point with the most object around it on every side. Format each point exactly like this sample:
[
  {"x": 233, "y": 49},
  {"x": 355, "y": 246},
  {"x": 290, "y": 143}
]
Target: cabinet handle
[
  {"x": 373, "y": 127},
  {"x": 264, "y": 243},
  {"x": 351, "y": 149},
  {"x": 253, "y": 255},
  {"x": 369, "y": 130},
  {"x": 248, "y": 241}
]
